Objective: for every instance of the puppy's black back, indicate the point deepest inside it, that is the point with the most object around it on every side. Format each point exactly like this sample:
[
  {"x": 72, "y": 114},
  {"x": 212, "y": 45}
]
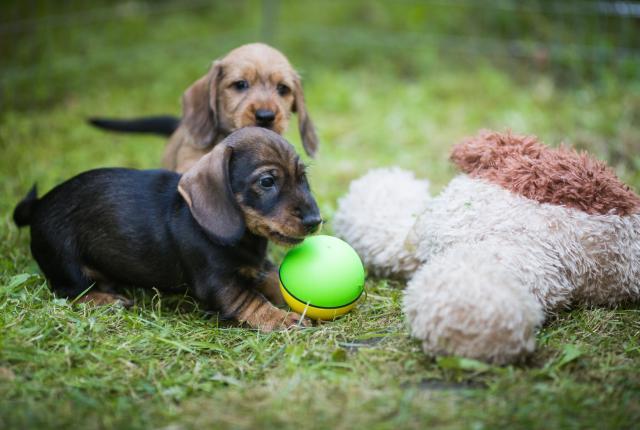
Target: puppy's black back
[{"x": 111, "y": 221}]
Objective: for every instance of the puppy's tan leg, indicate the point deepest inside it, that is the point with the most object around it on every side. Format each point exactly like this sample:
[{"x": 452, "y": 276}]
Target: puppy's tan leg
[
  {"x": 253, "y": 309},
  {"x": 270, "y": 288},
  {"x": 99, "y": 298},
  {"x": 103, "y": 291},
  {"x": 267, "y": 282}
]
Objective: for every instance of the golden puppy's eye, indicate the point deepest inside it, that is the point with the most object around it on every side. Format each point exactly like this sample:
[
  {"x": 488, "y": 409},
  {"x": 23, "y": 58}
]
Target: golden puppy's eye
[
  {"x": 283, "y": 90},
  {"x": 241, "y": 85}
]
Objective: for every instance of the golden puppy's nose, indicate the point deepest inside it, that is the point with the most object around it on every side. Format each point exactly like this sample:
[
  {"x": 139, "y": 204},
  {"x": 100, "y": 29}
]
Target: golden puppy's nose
[{"x": 265, "y": 116}]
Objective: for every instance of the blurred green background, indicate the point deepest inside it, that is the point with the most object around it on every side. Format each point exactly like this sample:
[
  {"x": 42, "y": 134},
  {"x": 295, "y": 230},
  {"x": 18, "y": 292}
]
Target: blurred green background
[{"x": 386, "y": 83}]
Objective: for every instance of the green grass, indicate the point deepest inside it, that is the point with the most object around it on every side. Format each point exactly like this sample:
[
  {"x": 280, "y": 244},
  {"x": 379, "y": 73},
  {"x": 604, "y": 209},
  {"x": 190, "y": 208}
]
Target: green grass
[{"x": 165, "y": 364}]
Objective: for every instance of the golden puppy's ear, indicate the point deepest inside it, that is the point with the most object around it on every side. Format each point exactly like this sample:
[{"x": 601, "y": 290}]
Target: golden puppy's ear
[
  {"x": 305, "y": 125},
  {"x": 207, "y": 190},
  {"x": 199, "y": 107}
]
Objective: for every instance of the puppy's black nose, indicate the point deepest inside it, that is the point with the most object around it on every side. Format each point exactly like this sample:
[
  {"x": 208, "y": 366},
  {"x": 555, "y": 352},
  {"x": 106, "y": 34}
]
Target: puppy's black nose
[
  {"x": 311, "y": 222},
  {"x": 265, "y": 116}
]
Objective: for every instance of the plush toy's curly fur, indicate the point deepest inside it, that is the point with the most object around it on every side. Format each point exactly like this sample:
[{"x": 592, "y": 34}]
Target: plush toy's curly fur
[
  {"x": 484, "y": 262},
  {"x": 372, "y": 204}
]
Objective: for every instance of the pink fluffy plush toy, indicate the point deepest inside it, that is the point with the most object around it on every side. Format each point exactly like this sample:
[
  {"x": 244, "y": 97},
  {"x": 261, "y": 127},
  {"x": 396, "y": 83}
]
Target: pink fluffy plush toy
[{"x": 524, "y": 231}]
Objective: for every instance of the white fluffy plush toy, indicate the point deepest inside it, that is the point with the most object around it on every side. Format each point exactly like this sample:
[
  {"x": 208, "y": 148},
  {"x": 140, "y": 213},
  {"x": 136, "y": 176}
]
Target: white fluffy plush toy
[{"x": 524, "y": 231}]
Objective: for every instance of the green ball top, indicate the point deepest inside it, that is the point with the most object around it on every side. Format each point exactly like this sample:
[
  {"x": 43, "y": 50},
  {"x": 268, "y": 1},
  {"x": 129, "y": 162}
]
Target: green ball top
[{"x": 323, "y": 271}]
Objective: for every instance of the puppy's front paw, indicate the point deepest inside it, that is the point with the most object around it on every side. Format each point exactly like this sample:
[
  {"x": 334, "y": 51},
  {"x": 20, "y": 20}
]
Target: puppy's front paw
[
  {"x": 277, "y": 319},
  {"x": 296, "y": 320},
  {"x": 100, "y": 299}
]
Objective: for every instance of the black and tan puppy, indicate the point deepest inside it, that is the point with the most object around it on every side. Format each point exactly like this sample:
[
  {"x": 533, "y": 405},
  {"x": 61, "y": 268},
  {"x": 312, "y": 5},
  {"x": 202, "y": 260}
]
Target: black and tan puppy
[{"x": 205, "y": 231}]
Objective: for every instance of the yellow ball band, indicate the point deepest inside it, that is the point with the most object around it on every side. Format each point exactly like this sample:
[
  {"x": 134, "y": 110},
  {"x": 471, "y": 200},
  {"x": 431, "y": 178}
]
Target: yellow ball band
[{"x": 314, "y": 312}]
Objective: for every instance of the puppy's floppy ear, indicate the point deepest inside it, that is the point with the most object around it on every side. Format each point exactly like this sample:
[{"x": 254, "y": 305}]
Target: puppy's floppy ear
[
  {"x": 199, "y": 107},
  {"x": 307, "y": 130},
  {"x": 206, "y": 188}
]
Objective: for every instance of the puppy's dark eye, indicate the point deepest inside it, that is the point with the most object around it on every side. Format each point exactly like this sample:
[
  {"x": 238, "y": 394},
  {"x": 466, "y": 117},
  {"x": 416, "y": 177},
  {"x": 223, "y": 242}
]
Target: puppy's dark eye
[
  {"x": 241, "y": 85},
  {"x": 283, "y": 90},
  {"x": 267, "y": 182}
]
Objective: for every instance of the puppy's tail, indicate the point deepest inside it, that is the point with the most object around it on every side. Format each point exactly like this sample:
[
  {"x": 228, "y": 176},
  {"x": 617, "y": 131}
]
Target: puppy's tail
[
  {"x": 163, "y": 125},
  {"x": 24, "y": 210}
]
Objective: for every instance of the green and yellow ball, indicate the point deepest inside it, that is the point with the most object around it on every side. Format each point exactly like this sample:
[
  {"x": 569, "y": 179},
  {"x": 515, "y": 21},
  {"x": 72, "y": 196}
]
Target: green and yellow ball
[{"x": 322, "y": 278}]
